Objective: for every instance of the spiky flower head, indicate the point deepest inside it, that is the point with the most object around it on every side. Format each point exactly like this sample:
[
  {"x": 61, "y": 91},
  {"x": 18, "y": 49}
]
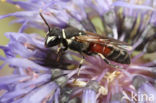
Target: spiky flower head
[{"x": 38, "y": 78}]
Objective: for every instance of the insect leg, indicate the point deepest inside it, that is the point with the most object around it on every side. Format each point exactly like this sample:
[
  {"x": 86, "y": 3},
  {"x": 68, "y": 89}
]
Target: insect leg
[
  {"x": 103, "y": 57},
  {"x": 79, "y": 68},
  {"x": 59, "y": 52}
]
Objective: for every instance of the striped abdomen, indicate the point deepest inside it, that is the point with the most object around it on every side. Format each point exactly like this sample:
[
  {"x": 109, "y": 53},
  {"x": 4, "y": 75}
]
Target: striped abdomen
[{"x": 111, "y": 53}]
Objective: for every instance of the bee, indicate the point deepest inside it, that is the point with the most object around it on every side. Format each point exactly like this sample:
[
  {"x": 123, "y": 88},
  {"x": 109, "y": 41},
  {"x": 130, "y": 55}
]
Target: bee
[{"x": 88, "y": 43}]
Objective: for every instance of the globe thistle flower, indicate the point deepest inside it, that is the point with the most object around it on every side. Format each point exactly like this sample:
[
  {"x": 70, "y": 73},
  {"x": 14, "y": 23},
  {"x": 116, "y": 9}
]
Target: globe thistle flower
[{"x": 39, "y": 78}]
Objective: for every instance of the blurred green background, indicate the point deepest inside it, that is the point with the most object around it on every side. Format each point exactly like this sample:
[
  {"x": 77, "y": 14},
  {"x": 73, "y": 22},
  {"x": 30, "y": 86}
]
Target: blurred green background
[
  {"x": 6, "y": 26},
  {"x": 6, "y": 8}
]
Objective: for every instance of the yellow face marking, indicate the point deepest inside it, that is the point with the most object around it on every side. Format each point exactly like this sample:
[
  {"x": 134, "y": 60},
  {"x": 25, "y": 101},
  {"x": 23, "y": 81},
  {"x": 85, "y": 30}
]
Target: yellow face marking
[{"x": 50, "y": 38}]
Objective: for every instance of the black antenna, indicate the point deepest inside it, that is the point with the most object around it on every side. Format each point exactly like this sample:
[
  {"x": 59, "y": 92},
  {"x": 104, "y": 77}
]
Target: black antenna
[{"x": 45, "y": 21}]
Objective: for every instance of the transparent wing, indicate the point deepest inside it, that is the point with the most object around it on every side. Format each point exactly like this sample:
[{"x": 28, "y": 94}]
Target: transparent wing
[{"x": 92, "y": 37}]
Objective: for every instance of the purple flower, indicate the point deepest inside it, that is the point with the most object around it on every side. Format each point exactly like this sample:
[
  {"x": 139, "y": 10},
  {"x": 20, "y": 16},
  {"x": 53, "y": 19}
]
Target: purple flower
[{"x": 38, "y": 77}]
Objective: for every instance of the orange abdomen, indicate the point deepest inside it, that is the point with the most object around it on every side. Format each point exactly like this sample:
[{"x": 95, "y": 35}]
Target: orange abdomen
[
  {"x": 98, "y": 48},
  {"x": 117, "y": 55}
]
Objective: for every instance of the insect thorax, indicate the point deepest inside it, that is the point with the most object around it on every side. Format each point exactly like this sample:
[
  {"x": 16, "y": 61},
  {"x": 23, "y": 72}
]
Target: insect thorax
[
  {"x": 69, "y": 35},
  {"x": 71, "y": 32}
]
